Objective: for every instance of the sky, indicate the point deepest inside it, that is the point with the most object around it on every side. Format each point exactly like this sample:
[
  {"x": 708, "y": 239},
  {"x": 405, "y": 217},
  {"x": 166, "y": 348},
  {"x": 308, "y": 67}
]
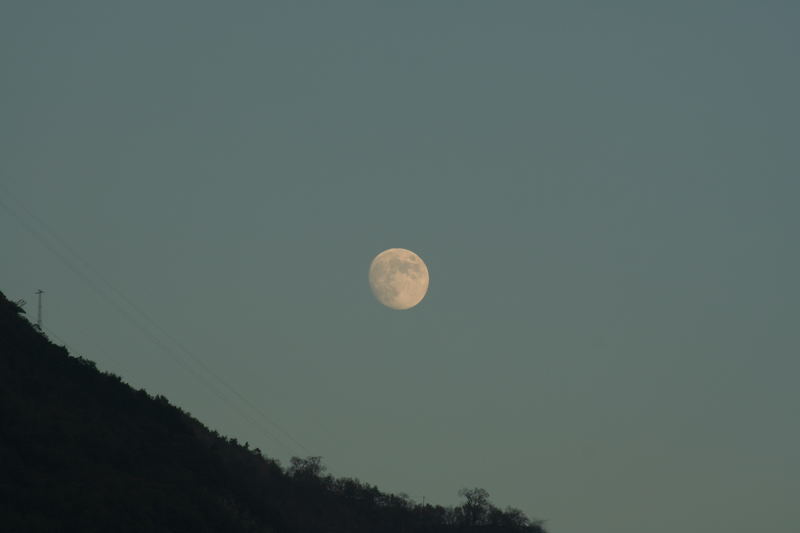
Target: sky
[{"x": 605, "y": 195}]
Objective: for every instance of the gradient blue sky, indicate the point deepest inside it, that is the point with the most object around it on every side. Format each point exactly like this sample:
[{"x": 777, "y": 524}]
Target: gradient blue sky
[{"x": 605, "y": 193}]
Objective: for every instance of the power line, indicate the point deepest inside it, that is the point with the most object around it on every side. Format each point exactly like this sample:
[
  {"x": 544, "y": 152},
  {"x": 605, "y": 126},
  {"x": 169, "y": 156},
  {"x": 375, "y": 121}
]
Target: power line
[
  {"x": 50, "y": 334},
  {"x": 45, "y": 237}
]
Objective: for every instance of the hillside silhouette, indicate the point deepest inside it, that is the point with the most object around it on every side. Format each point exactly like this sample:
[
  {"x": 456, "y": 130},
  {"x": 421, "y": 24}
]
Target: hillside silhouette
[{"x": 81, "y": 451}]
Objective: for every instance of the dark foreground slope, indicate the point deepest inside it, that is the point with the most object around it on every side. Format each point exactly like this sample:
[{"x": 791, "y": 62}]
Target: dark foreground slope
[{"x": 81, "y": 451}]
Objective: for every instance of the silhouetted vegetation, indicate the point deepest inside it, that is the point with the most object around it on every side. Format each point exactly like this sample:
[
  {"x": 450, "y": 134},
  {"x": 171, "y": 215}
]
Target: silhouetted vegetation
[{"x": 82, "y": 451}]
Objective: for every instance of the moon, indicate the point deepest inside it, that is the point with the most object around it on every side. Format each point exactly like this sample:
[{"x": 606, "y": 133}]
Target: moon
[{"x": 398, "y": 278}]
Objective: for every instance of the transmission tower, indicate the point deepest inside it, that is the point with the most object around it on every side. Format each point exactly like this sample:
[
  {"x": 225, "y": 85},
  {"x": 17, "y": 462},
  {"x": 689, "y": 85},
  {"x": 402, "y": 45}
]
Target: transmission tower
[{"x": 39, "y": 309}]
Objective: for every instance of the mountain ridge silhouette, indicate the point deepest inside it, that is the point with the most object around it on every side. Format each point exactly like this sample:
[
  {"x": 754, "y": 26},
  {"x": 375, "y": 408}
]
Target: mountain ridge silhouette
[{"x": 82, "y": 451}]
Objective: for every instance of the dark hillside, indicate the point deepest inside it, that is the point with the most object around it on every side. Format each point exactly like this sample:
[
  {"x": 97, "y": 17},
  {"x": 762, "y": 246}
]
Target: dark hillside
[{"x": 82, "y": 451}]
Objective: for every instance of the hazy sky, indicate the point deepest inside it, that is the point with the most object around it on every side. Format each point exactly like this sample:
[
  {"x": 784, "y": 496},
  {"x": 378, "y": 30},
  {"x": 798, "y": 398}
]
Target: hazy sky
[{"x": 605, "y": 193}]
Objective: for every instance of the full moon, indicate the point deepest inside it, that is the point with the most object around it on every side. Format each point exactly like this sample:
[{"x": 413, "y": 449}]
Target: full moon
[{"x": 398, "y": 278}]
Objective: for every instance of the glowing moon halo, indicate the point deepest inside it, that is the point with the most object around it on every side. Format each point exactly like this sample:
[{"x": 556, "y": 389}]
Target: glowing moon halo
[{"x": 398, "y": 278}]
